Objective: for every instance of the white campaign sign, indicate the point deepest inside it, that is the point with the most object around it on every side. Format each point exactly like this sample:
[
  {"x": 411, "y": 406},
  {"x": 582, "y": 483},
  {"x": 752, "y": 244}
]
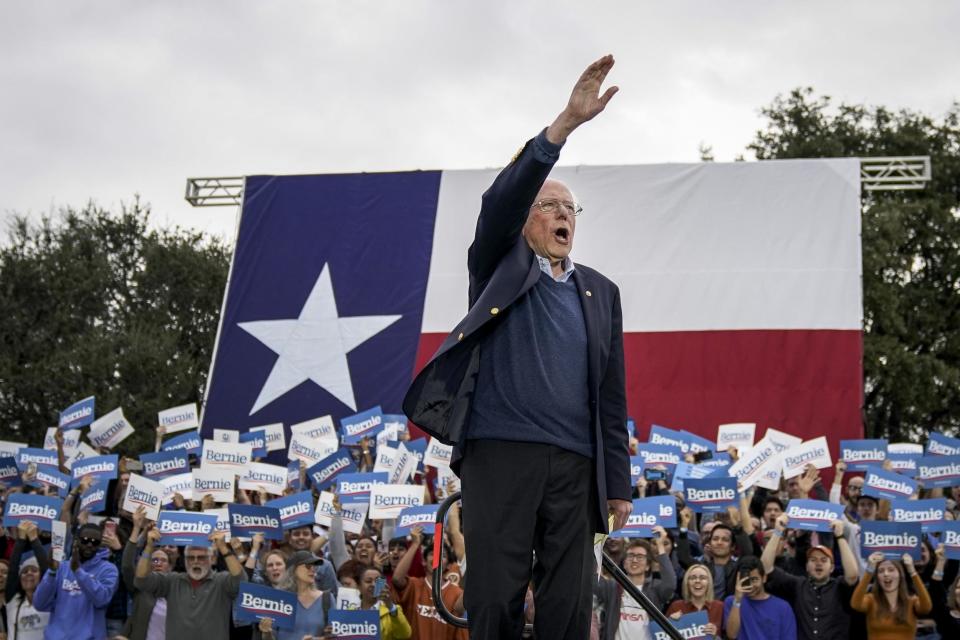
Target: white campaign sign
[
  {"x": 347, "y": 599},
  {"x": 146, "y": 493},
  {"x": 226, "y": 435},
  {"x": 271, "y": 478},
  {"x": 353, "y": 518},
  {"x": 181, "y": 483},
  {"x": 176, "y": 419},
  {"x": 437, "y": 454},
  {"x": 446, "y": 478},
  {"x": 760, "y": 463},
  {"x": 908, "y": 448},
  {"x": 780, "y": 439},
  {"x": 10, "y": 449},
  {"x": 58, "y": 539},
  {"x": 386, "y": 459},
  {"x": 388, "y": 500},
  {"x": 71, "y": 440},
  {"x": 276, "y": 438},
  {"x": 223, "y": 520},
  {"x": 310, "y": 450},
  {"x": 226, "y": 455},
  {"x": 405, "y": 465},
  {"x": 318, "y": 428},
  {"x": 219, "y": 483},
  {"x": 110, "y": 430},
  {"x": 815, "y": 452},
  {"x": 82, "y": 452},
  {"x": 739, "y": 435}
]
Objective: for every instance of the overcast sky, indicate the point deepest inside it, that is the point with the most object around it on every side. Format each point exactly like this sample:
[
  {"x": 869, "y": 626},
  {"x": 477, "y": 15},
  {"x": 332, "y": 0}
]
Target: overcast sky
[{"x": 106, "y": 99}]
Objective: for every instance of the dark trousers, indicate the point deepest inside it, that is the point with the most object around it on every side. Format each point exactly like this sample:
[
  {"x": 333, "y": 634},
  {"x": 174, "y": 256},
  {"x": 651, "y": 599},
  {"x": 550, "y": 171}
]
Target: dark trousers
[{"x": 520, "y": 498}]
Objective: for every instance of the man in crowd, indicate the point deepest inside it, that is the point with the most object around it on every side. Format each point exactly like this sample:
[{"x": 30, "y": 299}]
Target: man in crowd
[
  {"x": 854, "y": 490},
  {"x": 718, "y": 550},
  {"x": 753, "y": 614},
  {"x": 529, "y": 387},
  {"x": 821, "y": 601},
  {"x": 76, "y": 593},
  {"x": 199, "y": 602}
]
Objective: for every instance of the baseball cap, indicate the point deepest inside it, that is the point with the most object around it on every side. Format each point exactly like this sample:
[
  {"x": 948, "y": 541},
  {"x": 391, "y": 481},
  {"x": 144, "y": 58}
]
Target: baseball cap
[
  {"x": 304, "y": 557},
  {"x": 822, "y": 549}
]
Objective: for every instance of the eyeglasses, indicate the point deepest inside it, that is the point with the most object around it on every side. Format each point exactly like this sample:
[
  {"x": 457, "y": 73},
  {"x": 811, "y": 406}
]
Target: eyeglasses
[
  {"x": 91, "y": 542},
  {"x": 552, "y": 206},
  {"x": 201, "y": 558},
  {"x": 636, "y": 556},
  {"x": 159, "y": 560}
]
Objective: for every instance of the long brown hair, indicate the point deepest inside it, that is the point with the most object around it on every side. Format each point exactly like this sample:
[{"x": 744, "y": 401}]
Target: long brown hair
[{"x": 899, "y": 614}]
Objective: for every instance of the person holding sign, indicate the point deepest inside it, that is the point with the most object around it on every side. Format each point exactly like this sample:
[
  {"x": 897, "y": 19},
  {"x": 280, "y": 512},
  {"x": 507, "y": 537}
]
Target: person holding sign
[
  {"x": 313, "y": 605},
  {"x": 374, "y": 594},
  {"x": 198, "y": 602},
  {"x": 529, "y": 388},
  {"x": 891, "y": 610},
  {"x": 753, "y": 614},
  {"x": 24, "y": 622},
  {"x": 697, "y": 592},
  {"x": 149, "y": 616}
]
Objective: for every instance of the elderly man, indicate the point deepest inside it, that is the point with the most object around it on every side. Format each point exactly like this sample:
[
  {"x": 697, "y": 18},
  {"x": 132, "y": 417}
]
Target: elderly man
[
  {"x": 198, "y": 602},
  {"x": 529, "y": 387}
]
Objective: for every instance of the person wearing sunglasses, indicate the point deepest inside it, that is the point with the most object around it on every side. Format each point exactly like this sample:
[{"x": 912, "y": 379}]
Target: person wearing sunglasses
[{"x": 76, "y": 593}]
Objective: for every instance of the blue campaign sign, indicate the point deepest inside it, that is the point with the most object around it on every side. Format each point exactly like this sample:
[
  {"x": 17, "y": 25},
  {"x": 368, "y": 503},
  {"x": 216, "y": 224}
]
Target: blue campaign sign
[
  {"x": 355, "y": 487},
  {"x": 710, "y": 495},
  {"x": 258, "y": 442},
  {"x": 950, "y": 537},
  {"x": 930, "y": 513},
  {"x": 398, "y": 420},
  {"x": 94, "y": 499},
  {"x": 660, "y": 454},
  {"x": 861, "y": 454},
  {"x": 366, "y": 424},
  {"x": 685, "y": 470},
  {"x": 77, "y": 415},
  {"x": 697, "y": 443},
  {"x": 684, "y": 441},
  {"x": 692, "y": 626},
  {"x": 165, "y": 463},
  {"x": 355, "y": 624},
  {"x": 322, "y": 474},
  {"x": 255, "y": 601},
  {"x": 293, "y": 475},
  {"x": 186, "y": 528},
  {"x": 892, "y": 539},
  {"x": 51, "y": 477},
  {"x": 410, "y": 517},
  {"x": 904, "y": 463},
  {"x": 418, "y": 448},
  {"x": 813, "y": 515},
  {"x": 887, "y": 485},
  {"x": 938, "y": 471},
  {"x": 100, "y": 467},
  {"x": 648, "y": 513},
  {"x": 41, "y": 510},
  {"x": 295, "y": 510},
  {"x": 941, "y": 445},
  {"x": 26, "y": 455},
  {"x": 720, "y": 459},
  {"x": 9, "y": 472},
  {"x": 636, "y": 469},
  {"x": 248, "y": 519},
  {"x": 189, "y": 442}
]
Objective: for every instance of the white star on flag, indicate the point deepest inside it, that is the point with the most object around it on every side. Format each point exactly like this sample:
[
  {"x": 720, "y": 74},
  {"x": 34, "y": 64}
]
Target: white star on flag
[{"x": 314, "y": 346}]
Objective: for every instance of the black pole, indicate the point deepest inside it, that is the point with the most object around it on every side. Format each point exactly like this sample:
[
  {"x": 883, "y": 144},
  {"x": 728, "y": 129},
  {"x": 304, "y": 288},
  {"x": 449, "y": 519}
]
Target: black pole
[{"x": 438, "y": 560}]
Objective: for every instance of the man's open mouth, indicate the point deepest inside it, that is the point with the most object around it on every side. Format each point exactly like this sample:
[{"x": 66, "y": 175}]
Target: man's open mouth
[{"x": 561, "y": 235}]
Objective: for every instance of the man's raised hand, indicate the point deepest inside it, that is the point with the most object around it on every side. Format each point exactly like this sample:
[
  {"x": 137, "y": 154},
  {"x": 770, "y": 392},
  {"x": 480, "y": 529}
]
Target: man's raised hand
[{"x": 585, "y": 101}]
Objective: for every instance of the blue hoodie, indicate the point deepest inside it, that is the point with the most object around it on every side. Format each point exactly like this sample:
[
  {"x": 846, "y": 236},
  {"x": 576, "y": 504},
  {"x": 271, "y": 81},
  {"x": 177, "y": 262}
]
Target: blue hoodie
[{"x": 77, "y": 601}]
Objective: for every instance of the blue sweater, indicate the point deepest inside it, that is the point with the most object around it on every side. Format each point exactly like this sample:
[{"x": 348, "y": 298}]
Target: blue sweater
[
  {"x": 78, "y": 601},
  {"x": 532, "y": 381}
]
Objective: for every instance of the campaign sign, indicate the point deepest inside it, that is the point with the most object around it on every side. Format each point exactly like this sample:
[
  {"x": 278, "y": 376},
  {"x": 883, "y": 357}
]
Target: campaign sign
[
  {"x": 685, "y": 441},
  {"x": 386, "y": 459},
  {"x": 41, "y": 510},
  {"x": 293, "y": 475},
  {"x": 219, "y": 484},
  {"x": 648, "y": 513},
  {"x": 347, "y": 599},
  {"x": 930, "y": 513},
  {"x": 860, "y": 454},
  {"x": 82, "y": 452},
  {"x": 310, "y": 450},
  {"x": 437, "y": 454},
  {"x": 109, "y": 430},
  {"x": 71, "y": 440},
  {"x": 229, "y": 456},
  {"x": 697, "y": 443},
  {"x": 366, "y": 424},
  {"x": 248, "y": 519},
  {"x": 275, "y": 437},
  {"x": 692, "y": 626},
  {"x": 904, "y": 463},
  {"x": 362, "y": 624},
  {"x": 813, "y": 515},
  {"x": 271, "y": 478},
  {"x": 295, "y": 510},
  {"x": 10, "y": 449},
  {"x": 941, "y": 445},
  {"x": 397, "y": 422},
  {"x": 100, "y": 467},
  {"x": 94, "y": 499},
  {"x": 815, "y": 452},
  {"x": 355, "y": 487},
  {"x": 892, "y": 539},
  {"x": 951, "y": 540},
  {"x": 710, "y": 495},
  {"x": 781, "y": 441},
  {"x": 938, "y": 471},
  {"x": 257, "y": 441},
  {"x": 181, "y": 483},
  {"x": 425, "y": 516},
  {"x": 904, "y": 447},
  {"x": 418, "y": 448},
  {"x": 255, "y": 601},
  {"x": 654, "y": 455},
  {"x": 685, "y": 470},
  {"x": 51, "y": 477},
  {"x": 226, "y": 435},
  {"x": 404, "y": 466},
  {"x": 177, "y": 419},
  {"x": 27, "y": 455},
  {"x": 636, "y": 469},
  {"x": 738, "y": 434},
  {"x": 77, "y": 415},
  {"x": 321, "y": 428},
  {"x": 165, "y": 463},
  {"x": 353, "y": 515},
  {"x": 753, "y": 467},
  {"x": 189, "y": 442},
  {"x": 9, "y": 472},
  {"x": 186, "y": 528},
  {"x": 887, "y": 485},
  {"x": 388, "y": 500},
  {"x": 143, "y": 492},
  {"x": 223, "y": 521},
  {"x": 58, "y": 539}
]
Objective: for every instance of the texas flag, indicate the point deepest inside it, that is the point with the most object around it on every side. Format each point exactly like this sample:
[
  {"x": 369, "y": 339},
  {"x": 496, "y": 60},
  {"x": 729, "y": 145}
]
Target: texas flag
[{"x": 740, "y": 285}]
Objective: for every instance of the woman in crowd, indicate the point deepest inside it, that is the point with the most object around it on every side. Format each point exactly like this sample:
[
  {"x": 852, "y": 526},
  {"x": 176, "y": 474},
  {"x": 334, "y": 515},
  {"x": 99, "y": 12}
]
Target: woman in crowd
[
  {"x": 946, "y": 606},
  {"x": 313, "y": 605},
  {"x": 274, "y": 572},
  {"x": 148, "y": 619},
  {"x": 23, "y": 621},
  {"x": 697, "y": 591},
  {"x": 890, "y": 610},
  {"x": 393, "y": 624}
]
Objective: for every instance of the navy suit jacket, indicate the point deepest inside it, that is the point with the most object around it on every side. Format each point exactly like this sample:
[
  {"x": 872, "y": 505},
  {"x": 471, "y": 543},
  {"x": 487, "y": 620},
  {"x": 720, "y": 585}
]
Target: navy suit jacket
[{"x": 502, "y": 269}]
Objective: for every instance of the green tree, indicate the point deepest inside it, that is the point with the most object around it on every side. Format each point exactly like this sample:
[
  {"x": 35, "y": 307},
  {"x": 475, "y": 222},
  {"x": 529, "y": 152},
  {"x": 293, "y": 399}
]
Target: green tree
[
  {"x": 911, "y": 254},
  {"x": 97, "y": 303}
]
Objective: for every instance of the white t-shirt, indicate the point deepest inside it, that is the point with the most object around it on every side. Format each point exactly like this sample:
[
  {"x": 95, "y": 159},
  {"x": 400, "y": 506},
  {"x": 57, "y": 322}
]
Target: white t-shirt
[
  {"x": 23, "y": 621},
  {"x": 634, "y": 621}
]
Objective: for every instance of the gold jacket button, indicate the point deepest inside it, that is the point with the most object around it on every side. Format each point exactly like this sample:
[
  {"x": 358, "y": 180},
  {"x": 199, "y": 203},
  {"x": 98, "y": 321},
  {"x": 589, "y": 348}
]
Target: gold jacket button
[
  {"x": 587, "y": 292},
  {"x": 459, "y": 337},
  {"x": 494, "y": 311}
]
